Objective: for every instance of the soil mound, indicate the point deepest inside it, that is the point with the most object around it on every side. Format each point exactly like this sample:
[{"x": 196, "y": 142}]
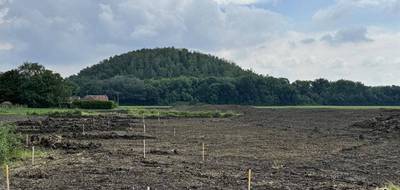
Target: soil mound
[
  {"x": 107, "y": 135},
  {"x": 387, "y": 122},
  {"x": 57, "y": 142},
  {"x": 74, "y": 124}
]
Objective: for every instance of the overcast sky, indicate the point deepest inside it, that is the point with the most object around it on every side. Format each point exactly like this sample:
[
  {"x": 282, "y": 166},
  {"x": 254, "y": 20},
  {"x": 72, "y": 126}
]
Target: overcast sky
[{"x": 297, "y": 39}]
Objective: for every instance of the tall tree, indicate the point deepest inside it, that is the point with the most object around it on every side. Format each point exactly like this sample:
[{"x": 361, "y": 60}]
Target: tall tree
[{"x": 33, "y": 85}]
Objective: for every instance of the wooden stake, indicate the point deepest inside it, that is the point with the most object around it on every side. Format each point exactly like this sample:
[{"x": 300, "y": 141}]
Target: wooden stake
[
  {"x": 7, "y": 178},
  {"x": 249, "y": 178},
  {"x": 83, "y": 129},
  {"x": 203, "y": 152},
  {"x": 33, "y": 155},
  {"x": 144, "y": 148},
  {"x": 144, "y": 126},
  {"x": 27, "y": 141},
  {"x": 159, "y": 117},
  {"x": 174, "y": 132}
]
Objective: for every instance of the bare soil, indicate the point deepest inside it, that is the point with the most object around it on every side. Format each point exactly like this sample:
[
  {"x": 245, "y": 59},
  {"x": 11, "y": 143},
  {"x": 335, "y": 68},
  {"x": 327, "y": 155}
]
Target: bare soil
[{"x": 285, "y": 148}]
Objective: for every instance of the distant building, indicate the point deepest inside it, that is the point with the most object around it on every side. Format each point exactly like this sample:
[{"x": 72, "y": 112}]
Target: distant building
[
  {"x": 6, "y": 104},
  {"x": 73, "y": 98},
  {"x": 96, "y": 97}
]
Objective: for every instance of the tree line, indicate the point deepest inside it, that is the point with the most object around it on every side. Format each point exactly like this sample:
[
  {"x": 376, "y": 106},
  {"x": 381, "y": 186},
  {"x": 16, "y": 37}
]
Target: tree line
[
  {"x": 166, "y": 76},
  {"x": 34, "y": 86},
  {"x": 169, "y": 75},
  {"x": 245, "y": 90}
]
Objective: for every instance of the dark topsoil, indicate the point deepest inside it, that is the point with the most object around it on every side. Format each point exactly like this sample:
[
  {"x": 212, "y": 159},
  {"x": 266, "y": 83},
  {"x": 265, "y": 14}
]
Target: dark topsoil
[{"x": 285, "y": 148}]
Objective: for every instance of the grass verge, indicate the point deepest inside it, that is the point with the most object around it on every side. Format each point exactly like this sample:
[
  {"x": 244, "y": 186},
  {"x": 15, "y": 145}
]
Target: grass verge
[{"x": 329, "y": 107}]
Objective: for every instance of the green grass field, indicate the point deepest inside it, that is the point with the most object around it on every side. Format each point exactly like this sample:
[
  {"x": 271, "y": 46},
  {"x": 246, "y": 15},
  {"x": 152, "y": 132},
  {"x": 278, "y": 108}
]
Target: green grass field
[
  {"x": 329, "y": 107},
  {"x": 45, "y": 111},
  {"x": 133, "y": 111},
  {"x": 35, "y": 111},
  {"x": 144, "y": 107},
  {"x": 163, "y": 109}
]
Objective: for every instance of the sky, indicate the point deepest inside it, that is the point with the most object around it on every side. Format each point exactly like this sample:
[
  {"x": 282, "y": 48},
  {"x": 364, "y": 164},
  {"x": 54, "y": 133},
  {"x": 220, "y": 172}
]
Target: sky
[{"x": 296, "y": 39}]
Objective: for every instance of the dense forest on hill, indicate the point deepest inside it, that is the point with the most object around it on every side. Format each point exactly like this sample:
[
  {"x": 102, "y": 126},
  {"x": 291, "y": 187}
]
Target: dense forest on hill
[
  {"x": 168, "y": 75},
  {"x": 161, "y": 63}
]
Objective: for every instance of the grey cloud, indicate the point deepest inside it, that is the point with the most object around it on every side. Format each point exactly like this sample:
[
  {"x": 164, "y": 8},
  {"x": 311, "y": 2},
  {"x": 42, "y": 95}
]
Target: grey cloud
[
  {"x": 247, "y": 2},
  {"x": 78, "y": 33},
  {"x": 308, "y": 41},
  {"x": 350, "y": 35}
]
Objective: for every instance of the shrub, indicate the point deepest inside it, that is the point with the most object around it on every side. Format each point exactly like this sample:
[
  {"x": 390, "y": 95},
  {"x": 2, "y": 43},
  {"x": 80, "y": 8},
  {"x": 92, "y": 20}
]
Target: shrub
[
  {"x": 94, "y": 104},
  {"x": 9, "y": 143}
]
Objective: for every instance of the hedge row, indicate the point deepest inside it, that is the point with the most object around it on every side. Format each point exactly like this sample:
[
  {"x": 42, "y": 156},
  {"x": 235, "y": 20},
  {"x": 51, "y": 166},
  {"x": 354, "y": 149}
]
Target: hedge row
[{"x": 94, "y": 104}]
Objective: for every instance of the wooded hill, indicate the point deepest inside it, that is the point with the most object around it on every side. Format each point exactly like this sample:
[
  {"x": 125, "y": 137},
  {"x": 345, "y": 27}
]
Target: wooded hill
[
  {"x": 161, "y": 63},
  {"x": 168, "y": 75}
]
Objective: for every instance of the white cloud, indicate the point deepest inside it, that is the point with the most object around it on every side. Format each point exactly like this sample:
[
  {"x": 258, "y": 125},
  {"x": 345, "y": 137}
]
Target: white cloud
[
  {"x": 373, "y": 63},
  {"x": 3, "y": 11},
  {"x": 6, "y": 46},
  {"x": 344, "y": 11}
]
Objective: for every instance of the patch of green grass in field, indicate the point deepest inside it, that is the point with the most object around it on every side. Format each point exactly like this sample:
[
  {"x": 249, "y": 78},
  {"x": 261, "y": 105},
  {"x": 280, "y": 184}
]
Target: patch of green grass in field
[
  {"x": 329, "y": 107},
  {"x": 170, "y": 113},
  {"x": 144, "y": 107},
  {"x": 70, "y": 113},
  {"x": 27, "y": 154},
  {"x": 389, "y": 187}
]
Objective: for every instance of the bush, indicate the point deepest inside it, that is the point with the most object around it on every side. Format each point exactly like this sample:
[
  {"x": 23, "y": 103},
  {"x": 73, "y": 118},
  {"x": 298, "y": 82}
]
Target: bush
[
  {"x": 9, "y": 143},
  {"x": 94, "y": 104}
]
